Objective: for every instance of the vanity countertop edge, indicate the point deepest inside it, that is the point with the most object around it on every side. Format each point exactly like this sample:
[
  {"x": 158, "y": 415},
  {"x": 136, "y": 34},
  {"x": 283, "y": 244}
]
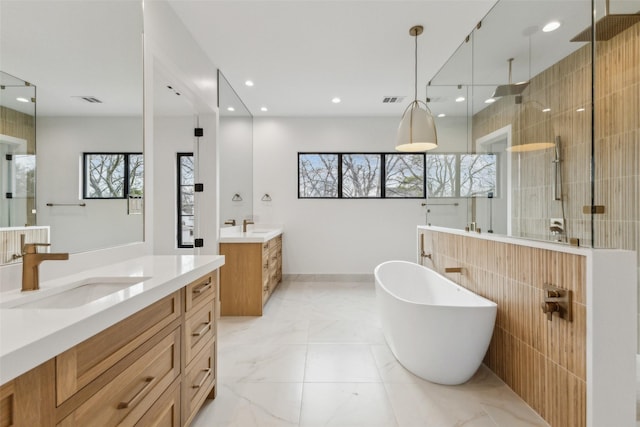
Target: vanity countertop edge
[
  {"x": 230, "y": 235},
  {"x": 30, "y": 337}
]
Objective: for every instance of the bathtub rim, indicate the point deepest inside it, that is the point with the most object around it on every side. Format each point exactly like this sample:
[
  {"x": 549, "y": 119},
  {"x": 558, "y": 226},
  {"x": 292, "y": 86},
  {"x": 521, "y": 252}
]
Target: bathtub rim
[{"x": 489, "y": 304}]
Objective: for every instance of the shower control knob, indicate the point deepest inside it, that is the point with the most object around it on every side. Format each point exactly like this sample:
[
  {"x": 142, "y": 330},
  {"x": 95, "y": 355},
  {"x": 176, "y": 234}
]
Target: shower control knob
[{"x": 549, "y": 308}]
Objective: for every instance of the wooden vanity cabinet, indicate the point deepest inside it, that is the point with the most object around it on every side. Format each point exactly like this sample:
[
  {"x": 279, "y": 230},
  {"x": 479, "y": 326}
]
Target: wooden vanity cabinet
[
  {"x": 249, "y": 276},
  {"x": 29, "y": 400},
  {"x": 199, "y": 349},
  {"x": 80, "y": 365},
  {"x": 125, "y": 399},
  {"x": 154, "y": 368}
]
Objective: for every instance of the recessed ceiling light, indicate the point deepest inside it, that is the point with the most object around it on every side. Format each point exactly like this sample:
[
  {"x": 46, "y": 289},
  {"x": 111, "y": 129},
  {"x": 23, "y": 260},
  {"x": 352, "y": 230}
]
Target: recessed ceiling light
[
  {"x": 264, "y": 109},
  {"x": 546, "y": 110},
  {"x": 231, "y": 109},
  {"x": 336, "y": 100},
  {"x": 460, "y": 99},
  {"x": 21, "y": 99},
  {"x": 580, "y": 110},
  {"x": 489, "y": 101},
  {"x": 248, "y": 83},
  {"x": 442, "y": 115},
  {"x": 551, "y": 26}
]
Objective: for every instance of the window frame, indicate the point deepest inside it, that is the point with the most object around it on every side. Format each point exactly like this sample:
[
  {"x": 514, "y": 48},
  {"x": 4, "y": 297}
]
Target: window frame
[
  {"x": 180, "y": 243},
  {"x": 125, "y": 188},
  {"x": 383, "y": 167}
]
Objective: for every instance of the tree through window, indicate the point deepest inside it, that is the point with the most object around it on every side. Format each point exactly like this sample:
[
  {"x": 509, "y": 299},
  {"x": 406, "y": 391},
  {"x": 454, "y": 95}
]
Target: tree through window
[
  {"x": 113, "y": 175},
  {"x": 361, "y": 175}
]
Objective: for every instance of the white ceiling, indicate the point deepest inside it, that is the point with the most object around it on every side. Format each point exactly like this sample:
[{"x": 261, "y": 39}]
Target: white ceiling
[
  {"x": 301, "y": 54},
  {"x": 71, "y": 48}
]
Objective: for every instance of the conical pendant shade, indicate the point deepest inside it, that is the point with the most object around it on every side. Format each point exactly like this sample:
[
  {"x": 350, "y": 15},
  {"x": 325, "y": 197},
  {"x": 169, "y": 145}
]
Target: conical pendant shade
[{"x": 417, "y": 129}]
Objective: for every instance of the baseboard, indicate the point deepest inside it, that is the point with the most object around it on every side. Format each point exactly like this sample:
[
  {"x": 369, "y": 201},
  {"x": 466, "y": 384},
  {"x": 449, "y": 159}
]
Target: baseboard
[{"x": 328, "y": 277}]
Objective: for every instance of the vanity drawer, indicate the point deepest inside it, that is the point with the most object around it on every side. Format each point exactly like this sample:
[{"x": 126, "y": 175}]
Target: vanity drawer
[
  {"x": 7, "y": 405},
  {"x": 198, "y": 291},
  {"x": 199, "y": 379},
  {"x": 166, "y": 411},
  {"x": 199, "y": 328},
  {"x": 126, "y": 398},
  {"x": 78, "y": 366}
]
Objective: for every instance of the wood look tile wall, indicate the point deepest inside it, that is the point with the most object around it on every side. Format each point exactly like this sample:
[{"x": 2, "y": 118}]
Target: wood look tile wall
[
  {"x": 20, "y": 125},
  {"x": 565, "y": 87},
  {"x": 543, "y": 361},
  {"x": 10, "y": 241}
]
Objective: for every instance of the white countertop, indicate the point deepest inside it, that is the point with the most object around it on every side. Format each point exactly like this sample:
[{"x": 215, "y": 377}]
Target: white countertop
[
  {"x": 540, "y": 244},
  {"x": 31, "y": 336},
  {"x": 254, "y": 234}
]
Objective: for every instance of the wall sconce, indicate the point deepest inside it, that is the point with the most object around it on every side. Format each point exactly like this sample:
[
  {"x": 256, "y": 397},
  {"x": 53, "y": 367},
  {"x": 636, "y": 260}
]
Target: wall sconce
[
  {"x": 236, "y": 198},
  {"x": 266, "y": 197}
]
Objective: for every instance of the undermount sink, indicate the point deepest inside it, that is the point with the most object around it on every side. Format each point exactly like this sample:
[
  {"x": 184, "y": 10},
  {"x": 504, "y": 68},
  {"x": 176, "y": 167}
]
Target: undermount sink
[{"x": 80, "y": 293}]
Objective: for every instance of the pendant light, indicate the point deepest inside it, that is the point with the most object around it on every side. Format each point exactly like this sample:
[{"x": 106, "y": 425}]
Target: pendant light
[{"x": 417, "y": 129}]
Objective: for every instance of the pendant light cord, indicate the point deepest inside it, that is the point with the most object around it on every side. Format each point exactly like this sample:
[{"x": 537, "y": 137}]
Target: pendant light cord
[{"x": 415, "y": 72}]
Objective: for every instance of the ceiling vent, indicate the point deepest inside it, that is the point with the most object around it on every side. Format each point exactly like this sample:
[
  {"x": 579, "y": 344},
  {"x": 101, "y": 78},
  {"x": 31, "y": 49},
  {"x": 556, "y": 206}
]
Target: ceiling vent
[
  {"x": 392, "y": 99},
  {"x": 91, "y": 99}
]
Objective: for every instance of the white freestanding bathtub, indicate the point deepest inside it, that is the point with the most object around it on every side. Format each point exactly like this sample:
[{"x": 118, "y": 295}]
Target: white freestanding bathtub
[{"x": 436, "y": 329}]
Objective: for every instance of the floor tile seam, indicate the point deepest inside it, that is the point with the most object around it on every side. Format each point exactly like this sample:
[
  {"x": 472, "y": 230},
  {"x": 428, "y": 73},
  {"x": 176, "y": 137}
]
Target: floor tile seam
[
  {"x": 521, "y": 401},
  {"x": 361, "y": 344},
  {"x": 342, "y": 382},
  {"x": 387, "y": 394},
  {"x": 262, "y": 408},
  {"x": 225, "y": 383}
]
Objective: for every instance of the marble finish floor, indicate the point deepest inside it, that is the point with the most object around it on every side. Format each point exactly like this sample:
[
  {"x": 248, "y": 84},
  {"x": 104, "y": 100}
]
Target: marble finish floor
[{"x": 318, "y": 358}]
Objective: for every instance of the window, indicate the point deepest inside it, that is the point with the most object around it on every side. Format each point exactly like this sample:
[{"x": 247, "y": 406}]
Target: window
[
  {"x": 441, "y": 175},
  {"x": 186, "y": 181},
  {"x": 477, "y": 174},
  {"x": 113, "y": 175},
  {"x": 317, "y": 175},
  {"x": 461, "y": 175},
  {"x": 395, "y": 175},
  {"x": 404, "y": 175},
  {"x": 361, "y": 175}
]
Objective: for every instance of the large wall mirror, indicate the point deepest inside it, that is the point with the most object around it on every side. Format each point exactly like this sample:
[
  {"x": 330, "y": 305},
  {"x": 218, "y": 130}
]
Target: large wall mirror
[
  {"x": 86, "y": 60},
  {"x": 235, "y": 135}
]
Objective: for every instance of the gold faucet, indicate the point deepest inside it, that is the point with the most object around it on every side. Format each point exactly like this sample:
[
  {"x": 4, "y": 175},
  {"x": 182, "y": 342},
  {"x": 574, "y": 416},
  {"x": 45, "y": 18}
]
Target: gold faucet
[
  {"x": 31, "y": 259},
  {"x": 231, "y": 222},
  {"x": 245, "y": 223}
]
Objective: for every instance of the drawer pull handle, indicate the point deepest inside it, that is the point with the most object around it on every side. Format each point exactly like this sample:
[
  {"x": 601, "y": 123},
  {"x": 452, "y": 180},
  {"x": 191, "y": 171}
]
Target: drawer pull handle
[
  {"x": 134, "y": 400},
  {"x": 205, "y": 328},
  {"x": 202, "y": 288},
  {"x": 207, "y": 373}
]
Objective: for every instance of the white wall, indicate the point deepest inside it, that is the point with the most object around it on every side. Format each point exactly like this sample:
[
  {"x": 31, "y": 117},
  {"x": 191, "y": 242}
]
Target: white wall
[
  {"x": 61, "y": 142},
  {"x": 236, "y": 168},
  {"x": 336, "y": 236}
]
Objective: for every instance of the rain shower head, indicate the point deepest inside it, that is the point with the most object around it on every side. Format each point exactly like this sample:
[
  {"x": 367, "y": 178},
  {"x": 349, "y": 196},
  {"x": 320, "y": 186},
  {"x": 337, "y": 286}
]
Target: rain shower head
[
  {"x": 608, "y": 26},
  {"x": 511, "y": 88}
]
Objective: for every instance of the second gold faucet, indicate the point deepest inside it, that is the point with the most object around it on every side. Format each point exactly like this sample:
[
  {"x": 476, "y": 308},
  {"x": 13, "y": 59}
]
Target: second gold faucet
[{"x": 245, "y": 223}]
